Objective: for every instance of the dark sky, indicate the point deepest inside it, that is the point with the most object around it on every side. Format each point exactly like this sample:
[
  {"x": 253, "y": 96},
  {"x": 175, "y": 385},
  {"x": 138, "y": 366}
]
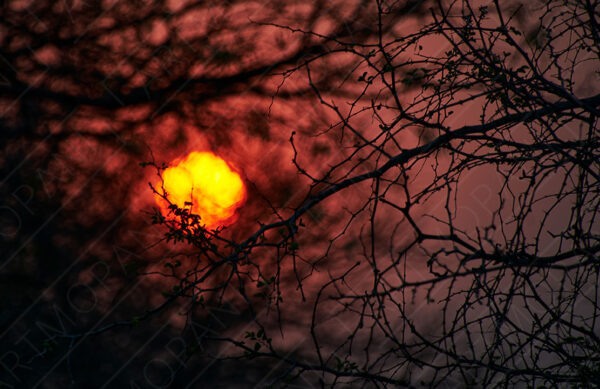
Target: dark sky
[{"x": 404, "y": 181}]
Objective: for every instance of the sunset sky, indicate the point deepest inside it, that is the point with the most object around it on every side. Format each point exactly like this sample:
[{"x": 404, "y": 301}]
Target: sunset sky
[{"x": 302, "y": 193}]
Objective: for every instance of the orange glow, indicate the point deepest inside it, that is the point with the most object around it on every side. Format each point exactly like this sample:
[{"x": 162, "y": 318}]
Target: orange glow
[{"x": 208, "y": 183}]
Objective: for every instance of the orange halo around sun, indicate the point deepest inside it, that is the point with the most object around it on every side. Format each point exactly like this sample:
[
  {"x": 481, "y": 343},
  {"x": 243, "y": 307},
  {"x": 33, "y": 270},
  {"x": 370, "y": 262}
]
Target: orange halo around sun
[{"x": 207, "y": 182}]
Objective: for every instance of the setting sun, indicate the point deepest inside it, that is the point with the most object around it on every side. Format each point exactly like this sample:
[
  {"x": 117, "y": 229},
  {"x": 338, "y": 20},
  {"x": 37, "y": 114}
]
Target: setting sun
[{"x": 205, "y": 184}]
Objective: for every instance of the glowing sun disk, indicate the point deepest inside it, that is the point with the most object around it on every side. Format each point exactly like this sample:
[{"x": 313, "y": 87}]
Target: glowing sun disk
[{"x": 205, "y": 181}]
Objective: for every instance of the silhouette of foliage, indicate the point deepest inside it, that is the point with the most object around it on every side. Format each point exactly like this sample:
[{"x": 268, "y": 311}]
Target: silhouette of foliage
[{"x": 423, "y": 194}]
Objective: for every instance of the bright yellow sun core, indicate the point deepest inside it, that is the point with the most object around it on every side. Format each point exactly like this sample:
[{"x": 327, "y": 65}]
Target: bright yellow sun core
[{"x": 205, "y": 181}]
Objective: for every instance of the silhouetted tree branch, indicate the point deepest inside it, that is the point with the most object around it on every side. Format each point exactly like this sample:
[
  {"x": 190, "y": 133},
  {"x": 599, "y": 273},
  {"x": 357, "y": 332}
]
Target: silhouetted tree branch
[{"x": 440, "y": 228}]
